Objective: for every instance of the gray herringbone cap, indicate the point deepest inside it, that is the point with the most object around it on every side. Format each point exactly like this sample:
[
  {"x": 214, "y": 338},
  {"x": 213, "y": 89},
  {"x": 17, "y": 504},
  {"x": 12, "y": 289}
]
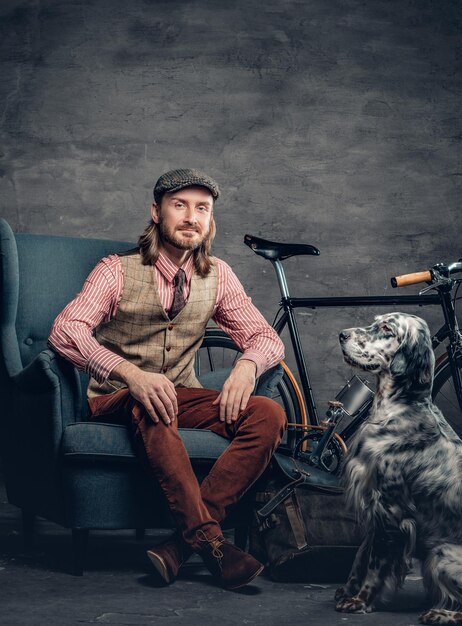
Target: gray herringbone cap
[{"x": 179, "y": 179}]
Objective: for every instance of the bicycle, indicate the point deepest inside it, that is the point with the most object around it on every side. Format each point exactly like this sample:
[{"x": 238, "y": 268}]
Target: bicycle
[{"x": 327, "y": 449}]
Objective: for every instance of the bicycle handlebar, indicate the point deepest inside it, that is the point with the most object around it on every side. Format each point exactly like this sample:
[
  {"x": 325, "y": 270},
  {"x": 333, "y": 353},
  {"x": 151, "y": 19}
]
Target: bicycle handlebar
[
  {"x": 455, "y": 267},
  {"x": 411, "y": 279},
  {"x": 438, "y": 272}
]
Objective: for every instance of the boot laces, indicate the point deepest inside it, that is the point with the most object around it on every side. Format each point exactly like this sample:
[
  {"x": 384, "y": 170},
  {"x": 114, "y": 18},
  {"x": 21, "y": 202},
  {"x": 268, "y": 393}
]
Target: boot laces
[{"x": 215, "y": 543}]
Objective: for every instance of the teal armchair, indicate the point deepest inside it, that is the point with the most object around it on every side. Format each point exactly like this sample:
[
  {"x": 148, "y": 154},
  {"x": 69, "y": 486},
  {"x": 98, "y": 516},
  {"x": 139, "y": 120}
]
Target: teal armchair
[{"x": 57, "y": 465}]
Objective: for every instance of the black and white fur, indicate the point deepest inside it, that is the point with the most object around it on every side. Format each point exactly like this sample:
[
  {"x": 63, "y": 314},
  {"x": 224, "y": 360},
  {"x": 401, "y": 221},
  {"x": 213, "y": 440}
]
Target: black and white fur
[{"x": 403, "y": 473}]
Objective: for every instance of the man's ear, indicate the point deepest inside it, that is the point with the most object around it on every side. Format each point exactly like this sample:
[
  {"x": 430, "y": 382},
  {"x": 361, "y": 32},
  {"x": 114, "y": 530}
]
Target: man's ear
[{"x": 155, "y": 212}]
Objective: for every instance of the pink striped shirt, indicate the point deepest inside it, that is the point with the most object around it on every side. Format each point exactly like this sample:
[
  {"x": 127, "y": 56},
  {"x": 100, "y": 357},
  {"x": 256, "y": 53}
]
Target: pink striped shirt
[{"x": 72, "y": 332}]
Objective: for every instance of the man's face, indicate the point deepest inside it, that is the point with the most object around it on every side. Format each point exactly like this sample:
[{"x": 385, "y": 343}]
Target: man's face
[{"x": 184, "y": 217}]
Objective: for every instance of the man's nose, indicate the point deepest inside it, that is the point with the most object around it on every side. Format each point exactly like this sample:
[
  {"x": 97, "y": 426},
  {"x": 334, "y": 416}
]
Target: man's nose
[{"x": 190, "y": 215}]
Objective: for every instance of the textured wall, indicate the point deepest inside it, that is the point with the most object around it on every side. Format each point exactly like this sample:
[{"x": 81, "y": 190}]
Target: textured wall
[{"x": 335, "y": 123}]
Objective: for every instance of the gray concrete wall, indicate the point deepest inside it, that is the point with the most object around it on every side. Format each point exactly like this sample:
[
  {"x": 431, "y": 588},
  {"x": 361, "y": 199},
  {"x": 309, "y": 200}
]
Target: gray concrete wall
[{"x": 330, "y": 122}]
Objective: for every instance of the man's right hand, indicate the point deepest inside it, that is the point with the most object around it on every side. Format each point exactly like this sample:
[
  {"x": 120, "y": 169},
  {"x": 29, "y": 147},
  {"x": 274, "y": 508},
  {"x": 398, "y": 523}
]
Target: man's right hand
[{"x": 155, "y": 391}]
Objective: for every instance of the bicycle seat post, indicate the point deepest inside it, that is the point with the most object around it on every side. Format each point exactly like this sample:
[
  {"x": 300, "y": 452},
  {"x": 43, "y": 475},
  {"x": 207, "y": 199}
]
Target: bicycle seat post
[
  {"x": 289, "y": 317},
  {"x": 277, "y": 264}
]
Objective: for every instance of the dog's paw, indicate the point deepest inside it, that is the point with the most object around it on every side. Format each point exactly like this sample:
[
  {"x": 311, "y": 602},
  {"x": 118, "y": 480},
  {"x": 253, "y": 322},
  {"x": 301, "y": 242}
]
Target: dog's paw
[
  {"x": 440, "y": 616},
  {"x": 351, "y": 605}
]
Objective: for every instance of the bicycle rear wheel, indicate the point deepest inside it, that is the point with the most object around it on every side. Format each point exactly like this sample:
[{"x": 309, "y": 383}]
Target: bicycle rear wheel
[
  {"x": 218, "y": 354},
  {"x": 444, "y": 393}
]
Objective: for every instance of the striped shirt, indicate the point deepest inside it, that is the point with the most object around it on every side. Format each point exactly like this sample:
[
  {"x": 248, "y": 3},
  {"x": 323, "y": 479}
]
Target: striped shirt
[{"x": 72, "y": 334}]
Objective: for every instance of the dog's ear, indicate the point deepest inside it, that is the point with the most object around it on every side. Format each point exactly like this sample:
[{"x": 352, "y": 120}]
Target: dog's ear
[{"x": 414, "y": 362}]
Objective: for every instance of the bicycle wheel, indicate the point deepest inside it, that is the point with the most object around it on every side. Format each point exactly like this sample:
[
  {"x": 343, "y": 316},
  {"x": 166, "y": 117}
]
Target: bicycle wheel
[
  {"x": 444, "y": 393},
  {"x": 217, "y": 355}
]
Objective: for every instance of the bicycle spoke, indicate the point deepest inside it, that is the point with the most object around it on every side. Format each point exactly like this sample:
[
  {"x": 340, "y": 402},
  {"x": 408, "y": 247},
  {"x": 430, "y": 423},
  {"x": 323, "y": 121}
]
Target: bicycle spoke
[
  {"x": 449, "y": 401},
  {"x": 209, "y": 354}
]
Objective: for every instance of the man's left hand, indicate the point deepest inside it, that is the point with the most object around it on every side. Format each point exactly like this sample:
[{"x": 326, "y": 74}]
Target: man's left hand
[{"x": 236, "y": 390}]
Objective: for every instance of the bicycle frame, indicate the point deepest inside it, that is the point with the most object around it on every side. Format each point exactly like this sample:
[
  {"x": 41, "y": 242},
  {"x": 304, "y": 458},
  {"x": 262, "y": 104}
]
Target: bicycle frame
[{"x": 289, "y": 303}]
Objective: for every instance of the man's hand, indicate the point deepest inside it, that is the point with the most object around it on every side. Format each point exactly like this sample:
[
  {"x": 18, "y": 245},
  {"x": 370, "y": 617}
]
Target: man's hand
[
  {"x": 236, "y": 390},
  {"x": 155, "y": 391}
]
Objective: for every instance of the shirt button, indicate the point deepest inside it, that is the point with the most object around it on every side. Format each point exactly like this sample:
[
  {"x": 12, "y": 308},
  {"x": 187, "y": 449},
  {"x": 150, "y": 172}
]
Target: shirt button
[
  {"x": 168, "y": 348},
  {"x": 170, "y": 326},
  {"x": 28, "y": 341}
]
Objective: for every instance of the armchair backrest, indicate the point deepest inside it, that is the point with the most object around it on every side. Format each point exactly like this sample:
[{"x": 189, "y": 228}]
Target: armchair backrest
[{"x": 40, "y": 274}]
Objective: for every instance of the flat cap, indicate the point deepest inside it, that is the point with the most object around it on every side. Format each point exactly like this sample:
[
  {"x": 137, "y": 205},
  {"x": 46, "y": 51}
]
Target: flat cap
[{"x": 179, "y": 179}]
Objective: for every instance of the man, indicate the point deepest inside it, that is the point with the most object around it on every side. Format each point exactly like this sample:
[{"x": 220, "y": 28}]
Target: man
[{"x": 135, "y": 328}]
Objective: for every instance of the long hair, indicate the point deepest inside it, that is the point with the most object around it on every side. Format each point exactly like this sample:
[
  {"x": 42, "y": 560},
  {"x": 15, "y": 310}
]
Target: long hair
[{"x": 149, "y": 245}]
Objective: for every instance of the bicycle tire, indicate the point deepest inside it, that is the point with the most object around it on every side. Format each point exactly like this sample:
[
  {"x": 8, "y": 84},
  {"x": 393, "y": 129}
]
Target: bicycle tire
[
  {"x": 217, "y": 355},
  {"x": 444, "y": 394}
]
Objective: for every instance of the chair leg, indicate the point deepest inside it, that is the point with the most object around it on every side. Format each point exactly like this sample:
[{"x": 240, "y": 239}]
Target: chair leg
[
  {"x": 241, "y": 535},
  {"x": 28, "y": 524},
  {"x": 79, "y": 549},
  {"x": 140, "y": 533}
]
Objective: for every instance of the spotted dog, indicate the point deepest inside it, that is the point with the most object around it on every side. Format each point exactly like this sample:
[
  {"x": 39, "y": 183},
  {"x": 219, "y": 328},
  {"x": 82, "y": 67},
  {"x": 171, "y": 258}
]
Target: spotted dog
[{"x": 403, "y": 474}]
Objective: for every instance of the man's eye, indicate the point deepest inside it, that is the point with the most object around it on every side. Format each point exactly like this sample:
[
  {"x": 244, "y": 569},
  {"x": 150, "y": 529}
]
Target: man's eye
[{"x": 179, "y": 204}]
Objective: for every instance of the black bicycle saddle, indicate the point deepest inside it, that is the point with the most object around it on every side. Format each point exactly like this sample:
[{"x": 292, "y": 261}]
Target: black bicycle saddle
[{"x": 272, "y": 250}]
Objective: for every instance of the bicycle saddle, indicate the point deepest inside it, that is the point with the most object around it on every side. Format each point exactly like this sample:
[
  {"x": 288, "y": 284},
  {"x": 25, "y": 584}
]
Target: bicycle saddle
[{"x": 272, "y": 250}]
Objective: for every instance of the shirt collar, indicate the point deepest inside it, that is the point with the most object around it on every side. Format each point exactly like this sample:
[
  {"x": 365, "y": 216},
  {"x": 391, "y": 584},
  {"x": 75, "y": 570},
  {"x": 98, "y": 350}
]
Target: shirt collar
[{"x": 168, "y": 269}]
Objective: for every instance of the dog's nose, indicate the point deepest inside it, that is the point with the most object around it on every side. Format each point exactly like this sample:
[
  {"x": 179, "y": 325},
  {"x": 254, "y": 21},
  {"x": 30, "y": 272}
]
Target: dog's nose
[{"x": 343, "y": 336}]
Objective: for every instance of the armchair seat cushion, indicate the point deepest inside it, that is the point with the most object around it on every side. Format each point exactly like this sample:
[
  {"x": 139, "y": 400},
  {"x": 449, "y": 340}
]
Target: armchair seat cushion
[{"x": 98, "y": 441}]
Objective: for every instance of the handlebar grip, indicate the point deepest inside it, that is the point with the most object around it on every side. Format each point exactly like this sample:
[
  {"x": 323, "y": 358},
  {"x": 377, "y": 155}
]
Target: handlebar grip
[{"x": 411, "y": 279}]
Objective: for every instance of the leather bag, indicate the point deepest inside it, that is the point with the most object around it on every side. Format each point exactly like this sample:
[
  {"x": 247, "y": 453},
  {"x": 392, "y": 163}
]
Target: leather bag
[{"x": 302, "y": 528}]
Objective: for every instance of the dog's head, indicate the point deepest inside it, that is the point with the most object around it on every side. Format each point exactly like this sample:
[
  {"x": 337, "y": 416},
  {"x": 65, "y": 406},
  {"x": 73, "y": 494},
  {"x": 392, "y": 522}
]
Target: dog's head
[{"x": 397, "y": 344}]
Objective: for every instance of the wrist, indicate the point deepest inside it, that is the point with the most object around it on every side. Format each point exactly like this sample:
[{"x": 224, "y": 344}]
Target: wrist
[
  {"x": 125, "y": 372},
  {"x": 249, "y": 365}
]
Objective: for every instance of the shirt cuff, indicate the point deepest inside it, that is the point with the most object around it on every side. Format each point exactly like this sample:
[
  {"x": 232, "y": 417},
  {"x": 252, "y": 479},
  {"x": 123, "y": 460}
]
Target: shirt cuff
[
  {"x": 101, "y": 363},
  {"x": 258, "y": 358}
]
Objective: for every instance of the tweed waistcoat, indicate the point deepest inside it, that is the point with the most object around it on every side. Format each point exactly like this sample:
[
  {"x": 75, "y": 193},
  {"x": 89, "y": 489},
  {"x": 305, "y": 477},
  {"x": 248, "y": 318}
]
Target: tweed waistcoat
[{"x": 142, "y": 333}]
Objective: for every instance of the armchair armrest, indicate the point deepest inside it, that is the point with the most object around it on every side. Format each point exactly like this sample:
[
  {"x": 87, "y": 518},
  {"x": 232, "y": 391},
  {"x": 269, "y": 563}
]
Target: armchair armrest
[
  {"x": 41, "y": 375},
  {"x": 48, "y": 381},
  {"x": 44, "y": 399}
]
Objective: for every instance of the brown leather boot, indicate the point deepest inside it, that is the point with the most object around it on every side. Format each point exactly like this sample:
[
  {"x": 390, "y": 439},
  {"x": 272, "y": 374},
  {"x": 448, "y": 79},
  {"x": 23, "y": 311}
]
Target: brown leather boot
[
  {"x": 231, "y": 566},
  {"x": 169, "y": 556}
]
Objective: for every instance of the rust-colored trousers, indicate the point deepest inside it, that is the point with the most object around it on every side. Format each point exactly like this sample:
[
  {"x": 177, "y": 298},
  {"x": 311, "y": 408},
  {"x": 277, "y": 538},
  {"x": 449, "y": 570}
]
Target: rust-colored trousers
[{"x": 255, "y": 435}]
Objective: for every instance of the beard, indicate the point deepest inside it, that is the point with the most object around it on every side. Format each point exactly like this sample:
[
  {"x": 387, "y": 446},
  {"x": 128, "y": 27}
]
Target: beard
[{"x": 169, "y": 235}]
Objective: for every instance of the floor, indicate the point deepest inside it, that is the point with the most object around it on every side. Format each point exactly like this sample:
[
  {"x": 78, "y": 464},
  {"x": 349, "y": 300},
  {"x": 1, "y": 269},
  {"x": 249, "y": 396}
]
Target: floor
[{"x": 119, "y": 587}]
